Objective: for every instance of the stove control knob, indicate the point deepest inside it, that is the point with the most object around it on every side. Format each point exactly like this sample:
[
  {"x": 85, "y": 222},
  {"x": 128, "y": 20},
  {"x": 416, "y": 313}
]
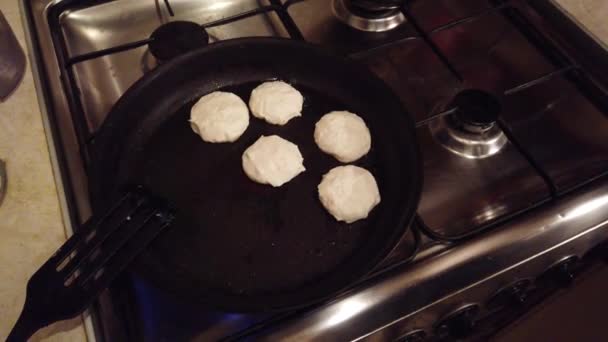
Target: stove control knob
[
  {"x": 513, "y": 294},
  {"x": 417, "y": 335},
  {"x": 458, "y": 324},
  {"x": 563, "y": 272}
]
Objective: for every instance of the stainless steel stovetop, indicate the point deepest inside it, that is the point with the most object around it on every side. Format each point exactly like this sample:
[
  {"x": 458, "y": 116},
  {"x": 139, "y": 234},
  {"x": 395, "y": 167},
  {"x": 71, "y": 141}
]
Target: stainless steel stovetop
[{"x": 502, "y": 201}]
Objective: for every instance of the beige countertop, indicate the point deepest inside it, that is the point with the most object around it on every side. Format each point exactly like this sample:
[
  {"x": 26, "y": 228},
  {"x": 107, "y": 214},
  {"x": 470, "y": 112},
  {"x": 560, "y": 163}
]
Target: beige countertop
[
  {"x": 591, "y": 13},
  {"x": 31, "y": 223}
]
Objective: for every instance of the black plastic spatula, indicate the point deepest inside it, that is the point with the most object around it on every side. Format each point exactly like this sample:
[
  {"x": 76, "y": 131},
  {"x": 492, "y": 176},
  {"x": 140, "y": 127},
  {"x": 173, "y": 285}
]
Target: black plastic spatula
[{"x": 88, "y": 262}]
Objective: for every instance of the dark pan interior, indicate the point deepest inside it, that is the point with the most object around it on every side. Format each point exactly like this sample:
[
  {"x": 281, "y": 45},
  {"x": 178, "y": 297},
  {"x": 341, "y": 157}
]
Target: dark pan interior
[{"x": 237, "y": 244}]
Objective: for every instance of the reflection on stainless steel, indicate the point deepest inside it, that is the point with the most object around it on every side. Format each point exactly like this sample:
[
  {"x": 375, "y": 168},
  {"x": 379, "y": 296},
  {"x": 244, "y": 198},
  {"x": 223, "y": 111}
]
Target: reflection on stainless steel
[
  {"x": 467, "y": 144},
  {"x": 568, "y": 139},
  {"x": 490, "y": 213},
  {"x": 460, "y": 194},
  {"x": 103, "y": 80},
  {"x": 104, "y": 25},
  {"x": 422, "y": 87},
  {"x": 441, "y": 282},
  {"x": 371, "y": 23},
  {"x": 586, "y": 208},
  {"x": 346, "y": 310}
]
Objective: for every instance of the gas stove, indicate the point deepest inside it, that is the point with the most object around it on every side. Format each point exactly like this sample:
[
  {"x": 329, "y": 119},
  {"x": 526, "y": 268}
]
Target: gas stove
[{"x": 511, "y": 119}]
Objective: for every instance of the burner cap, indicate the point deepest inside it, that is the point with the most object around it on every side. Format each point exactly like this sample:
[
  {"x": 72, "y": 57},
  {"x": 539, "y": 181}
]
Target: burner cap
[
  {"x": 476, "y": 108},
  {"x": 176, "y": 38},
  {"x": 471, "y": 131},
  {"x": 369, "y": 15}
]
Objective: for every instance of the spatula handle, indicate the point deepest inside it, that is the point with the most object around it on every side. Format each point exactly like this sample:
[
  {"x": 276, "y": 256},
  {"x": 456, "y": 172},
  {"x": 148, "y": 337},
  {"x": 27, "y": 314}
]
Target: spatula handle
[{"x": 24, "y": 328}]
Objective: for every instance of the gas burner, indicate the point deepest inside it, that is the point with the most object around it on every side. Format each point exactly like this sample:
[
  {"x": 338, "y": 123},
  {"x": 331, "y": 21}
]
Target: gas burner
[
  {"x": 176, "y": 38},
  {"x": 149, "y": 61},
  {"x": 367, "y": 15},
  {"x": 471, "y": 131}
]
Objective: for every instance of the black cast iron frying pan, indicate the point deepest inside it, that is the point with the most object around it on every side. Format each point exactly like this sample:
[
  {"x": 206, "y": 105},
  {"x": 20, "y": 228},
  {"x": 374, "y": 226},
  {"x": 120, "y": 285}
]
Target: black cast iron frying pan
[{"x": 235, "y": 244}]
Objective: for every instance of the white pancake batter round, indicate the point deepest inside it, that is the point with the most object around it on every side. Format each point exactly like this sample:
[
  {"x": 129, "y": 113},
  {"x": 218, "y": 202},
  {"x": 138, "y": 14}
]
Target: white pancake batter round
[
  {"x": 343, "y": 135},
  {"x": 349, "y": 193},
  {"x": 272, "y": 160},
  {"x": 219, "y": 117},
  {"x": 276, "y": 102}
]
